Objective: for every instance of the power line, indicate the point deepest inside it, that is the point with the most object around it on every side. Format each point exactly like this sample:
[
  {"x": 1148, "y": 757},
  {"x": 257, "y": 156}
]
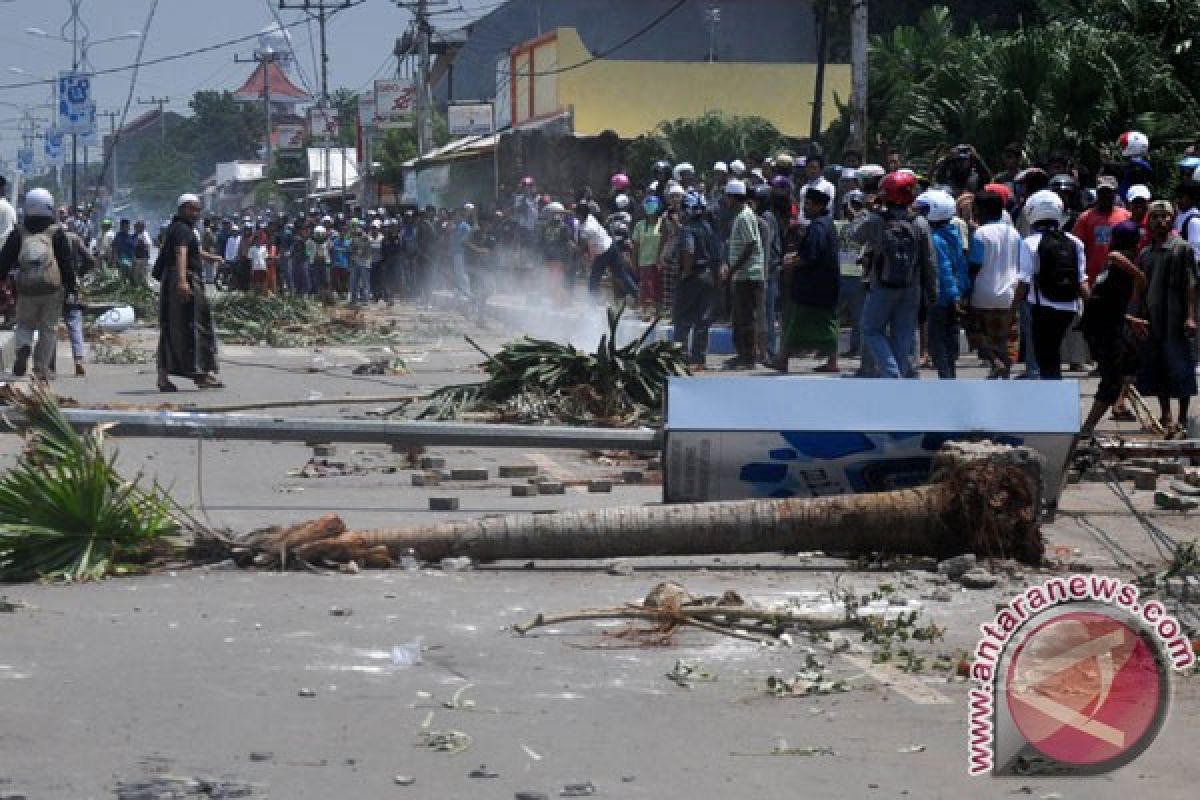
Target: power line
[
  {"x": 649, "y": 26},
  {"x": 166, "y": 59}
]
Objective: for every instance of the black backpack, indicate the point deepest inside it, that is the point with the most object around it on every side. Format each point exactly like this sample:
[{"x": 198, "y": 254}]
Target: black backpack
[
  {"x": 896, "y": 260},
  {"x": 1057, "y": 277}
]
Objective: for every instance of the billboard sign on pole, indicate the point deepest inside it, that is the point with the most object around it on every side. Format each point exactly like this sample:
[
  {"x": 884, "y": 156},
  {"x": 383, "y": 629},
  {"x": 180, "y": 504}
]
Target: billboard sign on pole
[
  {"x": 76, "y": 107},
  {"x": 54, "y": 147},
  {"x": 470, "y": 119},
  {"x": 395, "y": 104},
  {"x": 323, "y": 124},
  {"x": 288, "y": 140}
]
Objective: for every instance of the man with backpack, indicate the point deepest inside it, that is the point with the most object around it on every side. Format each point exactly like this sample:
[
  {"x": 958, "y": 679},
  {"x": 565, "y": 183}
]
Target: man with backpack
[
  {"x": 39, "y": 250},
  {"x": 695, "y": 292},
  {"x": 953, "y": 282},
  {"x": 1052, "y": 280},
  {"x": 996, "y": 257},
  {"x": 902, "y": 270}
]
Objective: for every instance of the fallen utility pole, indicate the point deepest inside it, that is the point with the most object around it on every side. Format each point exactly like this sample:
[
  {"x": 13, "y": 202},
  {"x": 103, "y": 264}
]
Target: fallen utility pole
[
  {"x": 188, "y": 425},
  {"x": 984, "y": 499},
  {"x": 1126, "y": 448}
]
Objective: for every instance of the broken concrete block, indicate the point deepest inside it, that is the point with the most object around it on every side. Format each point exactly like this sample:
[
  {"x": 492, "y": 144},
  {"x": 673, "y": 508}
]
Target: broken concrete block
[
  {"x": 633, "y": 476},
  {"x": 324, "y": 450},
  {"x": 443, "y": 504},
  {"x": 551, "y": 487},
  {"x": 1185, "y": 489},
  {"x": 518, "y": 470},
  {"x": 469, "y": 474},
  {"x": 599, "y": 486},
  {"x": 433, "y": 462},
  {"x": 1145, "y": 479},
  {"x": 619, "y": 566},
  {"x": 524, "y": 490},
  {"x": 1192, "y": 477},
  {"x": 1173, "y": 502},
  {"x": 953, "y": 568},
  {"x": 426, "y": 479},
  {"x": 1142, "y": 477},
  {"x": 978, "y": 578}
]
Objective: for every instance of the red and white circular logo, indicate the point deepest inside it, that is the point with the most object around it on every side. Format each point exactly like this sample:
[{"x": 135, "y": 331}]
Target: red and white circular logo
[{"x": 1087, "y": 689}]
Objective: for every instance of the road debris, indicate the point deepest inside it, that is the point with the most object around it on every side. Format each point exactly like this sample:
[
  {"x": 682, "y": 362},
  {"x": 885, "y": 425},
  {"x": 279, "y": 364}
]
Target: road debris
[
  {"x": 404, "y": 780},
  {"x": 482, "y": 771},
  {"x": 450, "y": 742},
  {"x": 536, "y": 380},
  {"x": 687, "y": 673},
  {"x": 585, "y": 789}
]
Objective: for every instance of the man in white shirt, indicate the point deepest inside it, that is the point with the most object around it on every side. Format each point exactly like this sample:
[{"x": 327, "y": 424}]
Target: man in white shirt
[
  {"x": 996, "y": 258},
  {"x": 8, "y": 217},
  {"x": 1053, "y": 280},
  {"x": 604, "y": 256}
]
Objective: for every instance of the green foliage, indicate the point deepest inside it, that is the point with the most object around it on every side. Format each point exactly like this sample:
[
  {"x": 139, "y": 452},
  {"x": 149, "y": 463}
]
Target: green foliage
[
  {"x": 1071, "y": 85},
  {"x": 65, "y": 511},
  {"x": 396, "y": 146},
  {"x": 703, "y": 140},
  {"x": 109, "y": 285},
  {"x": 541, "y": 380},
  {"x": 220, "y": 129}
]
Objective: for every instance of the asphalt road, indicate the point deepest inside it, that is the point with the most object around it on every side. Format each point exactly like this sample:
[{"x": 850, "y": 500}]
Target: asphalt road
[{"x": 189, "y": 683}]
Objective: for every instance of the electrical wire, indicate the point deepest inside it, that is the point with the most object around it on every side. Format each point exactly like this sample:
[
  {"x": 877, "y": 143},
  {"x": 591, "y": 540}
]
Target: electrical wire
[
  {"x": 649, "y": 26},
  {"x": 308, "y": 87},
  {"x": 116, "y": 137},
  {"x": 167, "y": 59}
]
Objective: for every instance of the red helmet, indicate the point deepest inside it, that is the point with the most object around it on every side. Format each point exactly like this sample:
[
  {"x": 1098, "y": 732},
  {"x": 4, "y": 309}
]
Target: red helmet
[
  {"x": 620, "y": 182},
  {"x": 899, "y": 188},
  {"x": 1002, "y": 190}
]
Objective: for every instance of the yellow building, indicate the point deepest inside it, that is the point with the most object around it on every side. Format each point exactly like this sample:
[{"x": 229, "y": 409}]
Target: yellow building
[{"x": 555, "y": 75}]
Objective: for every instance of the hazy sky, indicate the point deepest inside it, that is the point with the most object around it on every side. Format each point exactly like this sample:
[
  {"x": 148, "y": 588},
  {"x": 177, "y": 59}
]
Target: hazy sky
[{"x": 360, "y": 43}]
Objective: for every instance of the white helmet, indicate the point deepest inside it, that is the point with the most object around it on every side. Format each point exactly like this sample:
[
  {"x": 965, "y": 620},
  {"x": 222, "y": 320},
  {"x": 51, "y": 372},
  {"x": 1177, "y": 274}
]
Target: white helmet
[
  {"x": 39, "y": 203},
  {"x": 319, "y": 230},
  {"x": 1134, "y": 144},
  {"x": 674, "y": 189},
  {"x": 940, "y": 204},
  {"x": 682, "y": 168},
  {"x": 621, "y": 201},
  {"x": 868, "y": 171},
  {"x": 737, "y": 167},
  {"x": 1044, "y": 206},
  {"x": 720, "y": 166},
  {"x": 187, "y": 199}
]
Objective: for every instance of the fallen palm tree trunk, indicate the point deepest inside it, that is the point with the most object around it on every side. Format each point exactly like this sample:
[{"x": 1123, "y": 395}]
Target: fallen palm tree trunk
[{"x": 984, "y": 499}]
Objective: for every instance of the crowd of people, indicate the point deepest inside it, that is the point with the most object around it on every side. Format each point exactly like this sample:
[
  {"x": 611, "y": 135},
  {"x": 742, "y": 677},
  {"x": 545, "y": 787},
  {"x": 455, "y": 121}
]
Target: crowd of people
[{"x": 1040, "y": 265}]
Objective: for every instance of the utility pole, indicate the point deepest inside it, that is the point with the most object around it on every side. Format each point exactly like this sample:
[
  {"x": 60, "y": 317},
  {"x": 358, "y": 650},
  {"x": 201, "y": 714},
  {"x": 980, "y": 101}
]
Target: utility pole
[
  {"x": 162, "y": 117},
  {"x": 321, "y": 11},
  {"x": 819, "y": 85},
  {"x": 421, "y": 14},
  {"x": 264, "y": 58},
  {"x": 112, "y": 136},
  {"x": 858, "y": 78}
]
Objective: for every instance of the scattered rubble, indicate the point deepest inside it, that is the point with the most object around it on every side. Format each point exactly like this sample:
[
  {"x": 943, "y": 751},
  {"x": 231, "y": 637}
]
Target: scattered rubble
[{"x": 978, "y": 579}]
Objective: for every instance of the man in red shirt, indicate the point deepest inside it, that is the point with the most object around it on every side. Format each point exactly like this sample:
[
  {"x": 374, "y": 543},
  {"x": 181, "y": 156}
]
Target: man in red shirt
[{"x": 1094, "y": 226}]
